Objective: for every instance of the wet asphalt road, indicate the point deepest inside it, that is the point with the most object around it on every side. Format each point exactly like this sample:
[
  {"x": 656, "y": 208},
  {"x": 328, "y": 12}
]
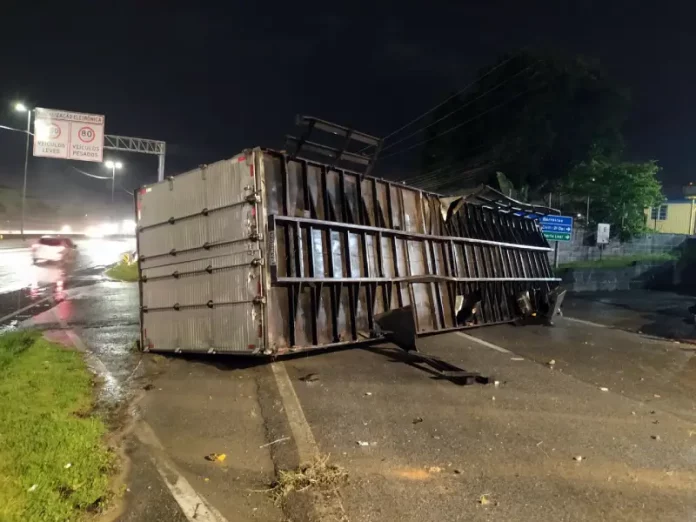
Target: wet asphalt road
[
  {"x": 621, "y": 401},
  {"x": 22, "y": 283},
  {"x": 587, "y": 423}
]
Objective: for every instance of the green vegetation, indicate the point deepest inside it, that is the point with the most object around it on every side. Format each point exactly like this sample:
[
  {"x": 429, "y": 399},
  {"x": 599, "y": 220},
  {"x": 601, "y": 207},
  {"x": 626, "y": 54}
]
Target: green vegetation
[
  {"x": 619, "y": 192},
  {"x": 53, "y": 461},
  {"x": 124, "y": 270},
  {"x": 620, "y": 261}
]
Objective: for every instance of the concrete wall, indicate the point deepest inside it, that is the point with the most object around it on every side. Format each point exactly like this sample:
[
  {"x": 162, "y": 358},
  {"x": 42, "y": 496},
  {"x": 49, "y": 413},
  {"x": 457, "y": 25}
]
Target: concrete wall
[
  {"x": 575, "y": 250},
  {"x": 657, "y": 276}
]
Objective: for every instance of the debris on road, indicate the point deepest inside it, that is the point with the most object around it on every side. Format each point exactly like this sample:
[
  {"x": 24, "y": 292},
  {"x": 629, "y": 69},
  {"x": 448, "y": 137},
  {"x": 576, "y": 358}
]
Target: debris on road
[
  {"x": 551, "y": 363},
  {"x": 216, "y": 457},
  {"x": 655, "y": 437},
  {"x": 68, "y": 465},
  {"x": 282, "y": 439},
  {"x": 657, "y": 396},
  {"x": 362, "y": 443},
  {"x": 368, "y": 394},
  {"x": 319, "y": 474},
  {"x": 434, "y": 469},
  {"x": 483, "y": 500},
  {"x": 417, "y": 420},
  {"x": 310, "y": 377},
  {"x": 457, "y": 471},
  {"x": 496, "y": 384},
  {"x": 33, "y": 488},
  {"x": 577, "y": 458},
  {"x": 604, "y": 388},
  {"x": 149, "y": 387},
  {"x": 517, "y": 358}
]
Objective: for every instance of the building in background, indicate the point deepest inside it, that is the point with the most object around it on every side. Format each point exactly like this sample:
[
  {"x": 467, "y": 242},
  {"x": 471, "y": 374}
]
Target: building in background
[{"x": 672, "y": 216}]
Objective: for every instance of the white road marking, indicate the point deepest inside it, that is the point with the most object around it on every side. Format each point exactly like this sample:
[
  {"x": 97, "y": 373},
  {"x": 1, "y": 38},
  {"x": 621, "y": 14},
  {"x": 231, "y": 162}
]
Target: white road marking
[
  {"x": 588, "y": 323},
  {"x": 331, "y": 509},
  {"x": 483, "y": 343},
  {"x": 32, "y": 305},
  {"x": 194, "y": 507},
  {"x": 304, "y": 439}
]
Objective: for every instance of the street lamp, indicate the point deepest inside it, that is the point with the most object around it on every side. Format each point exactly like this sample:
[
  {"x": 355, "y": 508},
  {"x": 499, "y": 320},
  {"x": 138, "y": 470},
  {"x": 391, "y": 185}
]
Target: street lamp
[
  {"x": 20, "y": 107},
  {"x": 113, "y": 165}
]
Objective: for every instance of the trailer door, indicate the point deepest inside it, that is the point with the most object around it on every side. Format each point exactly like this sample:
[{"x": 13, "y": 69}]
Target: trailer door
[{"x": 200, "y": 259}]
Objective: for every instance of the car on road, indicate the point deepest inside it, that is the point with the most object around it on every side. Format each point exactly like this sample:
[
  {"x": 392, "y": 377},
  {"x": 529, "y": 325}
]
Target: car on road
[{"x": 51, "y": 248}]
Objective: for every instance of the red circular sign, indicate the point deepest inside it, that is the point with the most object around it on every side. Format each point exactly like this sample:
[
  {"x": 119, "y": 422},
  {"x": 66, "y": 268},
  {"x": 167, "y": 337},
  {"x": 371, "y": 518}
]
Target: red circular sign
[
  {"x": 53, "y": 131},
  {"x": 86, "y": 134}
]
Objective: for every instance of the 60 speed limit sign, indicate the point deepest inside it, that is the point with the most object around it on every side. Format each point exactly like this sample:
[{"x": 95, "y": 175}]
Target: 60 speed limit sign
[{"x": 68, "y": 135}]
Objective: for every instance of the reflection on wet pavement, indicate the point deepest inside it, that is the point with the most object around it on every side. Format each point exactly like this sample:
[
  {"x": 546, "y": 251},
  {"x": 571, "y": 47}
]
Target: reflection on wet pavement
[
  {"x": 104, "y": 317},
  {"x": 23, "y": 283}
]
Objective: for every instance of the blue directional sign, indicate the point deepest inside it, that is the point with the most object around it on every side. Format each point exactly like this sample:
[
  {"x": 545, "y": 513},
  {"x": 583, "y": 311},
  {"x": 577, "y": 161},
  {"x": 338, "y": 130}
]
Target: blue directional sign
[{"x": 557, "y": 228}]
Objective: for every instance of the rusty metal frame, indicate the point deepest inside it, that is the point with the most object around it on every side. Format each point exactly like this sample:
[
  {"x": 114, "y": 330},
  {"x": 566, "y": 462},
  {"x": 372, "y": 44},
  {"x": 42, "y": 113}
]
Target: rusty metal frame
[{"x": 476, "y": 248}]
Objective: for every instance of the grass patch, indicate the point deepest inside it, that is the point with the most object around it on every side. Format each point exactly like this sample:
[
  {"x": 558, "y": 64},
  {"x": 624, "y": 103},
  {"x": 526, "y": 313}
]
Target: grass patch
[
  {"x": 620, "y": 261},
  {"x": 53, "y": 461},
  {"x": 319, "y": 474},
  {"x": 124, "y": 271}
]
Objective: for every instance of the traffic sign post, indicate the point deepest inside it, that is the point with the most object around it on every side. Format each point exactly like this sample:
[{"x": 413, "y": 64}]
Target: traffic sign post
[
  {"x": 68, "y": 135},
  {"x": 556, "y": 228}
]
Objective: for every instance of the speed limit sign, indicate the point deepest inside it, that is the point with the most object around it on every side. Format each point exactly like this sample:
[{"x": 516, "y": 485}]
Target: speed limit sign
[
  {"x": 68, "y": 135},
  {"x": 86, "y": 134}
]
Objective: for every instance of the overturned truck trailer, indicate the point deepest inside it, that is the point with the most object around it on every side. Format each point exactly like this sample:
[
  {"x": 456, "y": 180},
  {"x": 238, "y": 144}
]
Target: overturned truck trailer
[{"x": 267, "y": 254}]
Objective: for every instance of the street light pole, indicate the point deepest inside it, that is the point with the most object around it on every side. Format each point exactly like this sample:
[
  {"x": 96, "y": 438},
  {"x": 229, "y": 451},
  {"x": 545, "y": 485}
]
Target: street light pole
[
  {"x": 113, "y": 181},
  {"x": 113, "y": 165},
  {"x": 20, "y": 107}
]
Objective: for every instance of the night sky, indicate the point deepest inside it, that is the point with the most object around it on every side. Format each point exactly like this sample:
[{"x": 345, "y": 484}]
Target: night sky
[{"x": 212, "y": 82}]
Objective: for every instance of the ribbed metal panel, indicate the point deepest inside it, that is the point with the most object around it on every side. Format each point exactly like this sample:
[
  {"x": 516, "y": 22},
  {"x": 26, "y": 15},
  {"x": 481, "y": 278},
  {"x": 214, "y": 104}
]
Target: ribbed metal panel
[{"x": 201, "y": 261}]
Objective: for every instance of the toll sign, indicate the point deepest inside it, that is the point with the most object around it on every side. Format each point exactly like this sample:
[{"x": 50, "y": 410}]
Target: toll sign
[{"x": 68, "y": 135}]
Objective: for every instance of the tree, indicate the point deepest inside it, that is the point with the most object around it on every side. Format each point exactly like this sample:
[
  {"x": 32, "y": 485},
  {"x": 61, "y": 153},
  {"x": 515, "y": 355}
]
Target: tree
[
  {"x": 532, "y": 116},
  {"x": 619, "y": 193}
]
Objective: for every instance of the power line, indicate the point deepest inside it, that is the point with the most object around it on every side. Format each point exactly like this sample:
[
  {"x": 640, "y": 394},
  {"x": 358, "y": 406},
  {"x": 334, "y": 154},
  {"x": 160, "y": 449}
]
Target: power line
[
  {"x": 499, "y": 84},
  {"x": 23, "y": 131},
  {"x": 458, "y": 125},
  {"x": 90, "y": 175},
  {"x": 466, "y": 87},
  {"x": 124, "y": 190}
]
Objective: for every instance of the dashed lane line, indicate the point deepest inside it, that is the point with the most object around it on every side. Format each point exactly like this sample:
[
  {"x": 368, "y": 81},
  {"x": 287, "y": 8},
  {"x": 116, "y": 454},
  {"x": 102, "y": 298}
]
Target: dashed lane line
[
  {"x": 587, "y": 323},
  {"x": 483, "y": 343}
]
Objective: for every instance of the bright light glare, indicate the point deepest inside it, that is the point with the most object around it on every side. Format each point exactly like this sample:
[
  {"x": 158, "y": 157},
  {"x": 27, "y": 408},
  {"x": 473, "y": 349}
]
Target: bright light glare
[
  {"x": 109, "y": 164},
  {"x": 108, "y": 229},
  {"x": 65, "y": 229},
  {"x": 41, "y": 130},
  {"x": 20, "y": 107},
  {"x": 93, "y": 232},
  {"x": 128, "y": 227},
  {"x": 118, "y": 165}
]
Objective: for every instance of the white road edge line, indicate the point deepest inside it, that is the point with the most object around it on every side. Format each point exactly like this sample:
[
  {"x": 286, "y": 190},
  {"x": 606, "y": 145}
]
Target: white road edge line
[
  {"x": 483, "y": 343},
  {"x": 588, "y": 323},
  {"x": 194, "y": 507},
  {"x": 304, "y": 439}
]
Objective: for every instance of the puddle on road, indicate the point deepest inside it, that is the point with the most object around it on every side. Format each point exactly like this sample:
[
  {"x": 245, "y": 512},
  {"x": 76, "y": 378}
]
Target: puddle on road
[{"x": 43, "y": 294}]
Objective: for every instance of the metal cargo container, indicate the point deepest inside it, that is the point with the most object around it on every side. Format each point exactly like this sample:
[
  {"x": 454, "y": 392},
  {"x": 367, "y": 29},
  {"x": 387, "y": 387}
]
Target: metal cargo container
[{"x": 267, "y": 253}]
